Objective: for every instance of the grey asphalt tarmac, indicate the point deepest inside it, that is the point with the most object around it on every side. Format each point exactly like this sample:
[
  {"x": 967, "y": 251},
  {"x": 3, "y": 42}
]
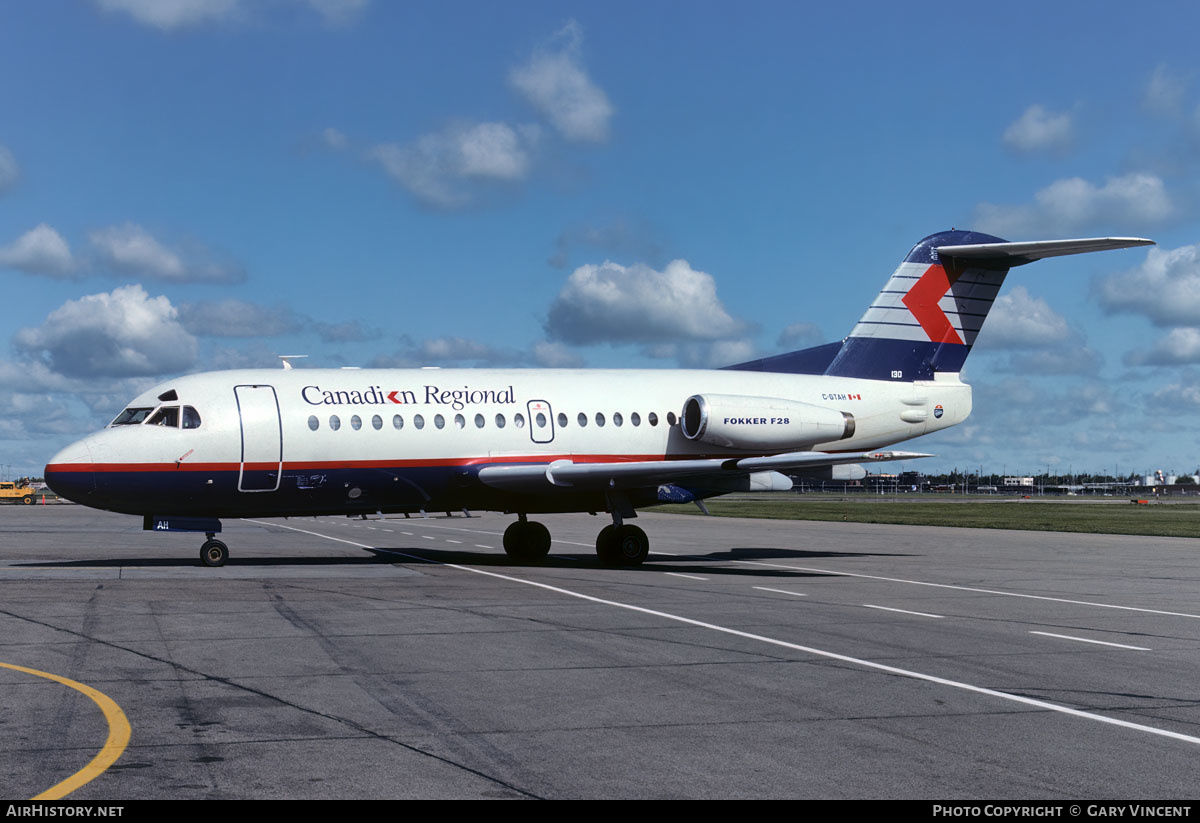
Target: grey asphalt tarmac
[{"x": 338, "y": 658}]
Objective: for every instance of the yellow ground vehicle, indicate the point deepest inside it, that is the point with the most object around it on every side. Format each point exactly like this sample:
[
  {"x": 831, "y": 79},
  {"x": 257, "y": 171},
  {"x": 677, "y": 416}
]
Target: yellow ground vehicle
[{"x": 16, "y": 493}]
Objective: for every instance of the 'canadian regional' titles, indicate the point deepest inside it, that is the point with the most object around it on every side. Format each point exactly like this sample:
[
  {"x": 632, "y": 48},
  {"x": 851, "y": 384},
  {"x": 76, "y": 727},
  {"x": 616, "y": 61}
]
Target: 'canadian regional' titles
[{"x": 434, "y": 395}]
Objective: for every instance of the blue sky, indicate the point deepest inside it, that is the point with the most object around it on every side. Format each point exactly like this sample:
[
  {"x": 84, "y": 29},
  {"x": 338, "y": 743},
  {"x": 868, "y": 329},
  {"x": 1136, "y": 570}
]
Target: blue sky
[{"x": 189, "y": 185}]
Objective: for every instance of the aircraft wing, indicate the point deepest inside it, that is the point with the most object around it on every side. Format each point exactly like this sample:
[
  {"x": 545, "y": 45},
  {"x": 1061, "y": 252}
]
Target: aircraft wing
[
  {"x": 567, "y": 474},
  {"x": 1018, "y": 254}
]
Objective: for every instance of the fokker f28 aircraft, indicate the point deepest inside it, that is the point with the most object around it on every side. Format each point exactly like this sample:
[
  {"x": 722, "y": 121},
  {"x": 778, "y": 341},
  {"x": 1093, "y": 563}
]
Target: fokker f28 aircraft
[{"x": 268, "y": 443}]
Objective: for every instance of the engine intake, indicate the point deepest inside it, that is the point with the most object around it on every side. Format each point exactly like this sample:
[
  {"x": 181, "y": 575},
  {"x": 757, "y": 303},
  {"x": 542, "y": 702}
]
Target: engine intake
[{"x": 741, "y": 422}]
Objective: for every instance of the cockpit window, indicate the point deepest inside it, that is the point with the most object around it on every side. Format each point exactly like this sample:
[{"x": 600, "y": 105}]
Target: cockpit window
[
  {"x": 191, "y": 418},
  {"x": 132, "y": 416},
  {"x": 166, "y": 416}
]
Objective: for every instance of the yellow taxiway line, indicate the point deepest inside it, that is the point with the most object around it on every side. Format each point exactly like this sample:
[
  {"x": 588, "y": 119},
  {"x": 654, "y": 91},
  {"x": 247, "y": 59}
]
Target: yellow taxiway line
[{"x": 118, "y": 735}]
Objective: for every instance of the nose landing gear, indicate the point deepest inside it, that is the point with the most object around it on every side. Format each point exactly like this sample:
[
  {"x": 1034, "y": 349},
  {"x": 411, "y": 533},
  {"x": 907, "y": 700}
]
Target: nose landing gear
[{"x": 213, "y": 552}]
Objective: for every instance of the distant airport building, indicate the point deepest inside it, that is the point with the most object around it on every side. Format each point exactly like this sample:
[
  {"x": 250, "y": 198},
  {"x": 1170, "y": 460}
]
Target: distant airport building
[{"x": 1019, "y": 481}]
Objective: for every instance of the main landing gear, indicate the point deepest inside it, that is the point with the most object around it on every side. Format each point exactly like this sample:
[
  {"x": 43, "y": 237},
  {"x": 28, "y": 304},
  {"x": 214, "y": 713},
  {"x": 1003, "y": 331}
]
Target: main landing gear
[
  {"x": 620, "y": 544},
  {"x": 526, "y": 541},
  {"x": 213, "y": 552}
]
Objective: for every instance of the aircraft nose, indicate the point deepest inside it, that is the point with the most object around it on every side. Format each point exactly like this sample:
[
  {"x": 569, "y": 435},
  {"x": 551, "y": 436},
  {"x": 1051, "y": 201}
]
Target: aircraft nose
[{"x": 70, "y": 473}]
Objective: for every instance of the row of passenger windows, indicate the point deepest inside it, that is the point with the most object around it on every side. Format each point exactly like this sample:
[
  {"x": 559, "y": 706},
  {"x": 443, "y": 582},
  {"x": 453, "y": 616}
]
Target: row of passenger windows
[{"x": 460, "y": 422}]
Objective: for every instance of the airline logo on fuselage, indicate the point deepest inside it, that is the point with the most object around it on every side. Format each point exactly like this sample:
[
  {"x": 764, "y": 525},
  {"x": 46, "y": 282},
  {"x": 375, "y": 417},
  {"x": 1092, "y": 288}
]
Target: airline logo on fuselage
[{"x": 433, "y": 396}]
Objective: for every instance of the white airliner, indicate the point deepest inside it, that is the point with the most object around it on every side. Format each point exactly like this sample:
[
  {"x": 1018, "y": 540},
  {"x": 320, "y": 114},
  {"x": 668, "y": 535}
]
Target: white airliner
[{"x": 291, "y": 442}]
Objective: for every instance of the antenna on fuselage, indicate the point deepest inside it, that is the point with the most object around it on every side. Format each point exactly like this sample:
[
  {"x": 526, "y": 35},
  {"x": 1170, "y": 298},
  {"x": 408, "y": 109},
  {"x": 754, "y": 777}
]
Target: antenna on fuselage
[{"x": 288, "y": 358}]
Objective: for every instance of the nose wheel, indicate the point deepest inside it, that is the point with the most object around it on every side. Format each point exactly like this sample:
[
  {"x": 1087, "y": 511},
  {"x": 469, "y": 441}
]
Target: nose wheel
[{"x": 214, "y": 552}]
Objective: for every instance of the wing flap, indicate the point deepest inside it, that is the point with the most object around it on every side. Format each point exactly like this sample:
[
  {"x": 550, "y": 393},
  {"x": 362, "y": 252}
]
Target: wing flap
[{"x": 568, "y": 475}]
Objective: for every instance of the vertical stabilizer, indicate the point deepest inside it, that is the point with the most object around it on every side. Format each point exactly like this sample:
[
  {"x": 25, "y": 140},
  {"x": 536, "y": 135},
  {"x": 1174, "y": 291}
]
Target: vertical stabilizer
[{"x": 927, "y": 316}]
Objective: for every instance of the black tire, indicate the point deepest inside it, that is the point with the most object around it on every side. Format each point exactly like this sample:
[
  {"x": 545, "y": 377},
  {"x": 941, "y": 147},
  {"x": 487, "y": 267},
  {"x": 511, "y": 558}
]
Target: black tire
[
  {"x": 606, "y": 546},
  {"x": 512, "y": 539},
  {"x": 27, "y": 500},
  {"x": 632, "y": 545},
  {"x": 539, "y": 540},
  {"x": 527, "y": 542},
  {"x": 214, "y": 553}
]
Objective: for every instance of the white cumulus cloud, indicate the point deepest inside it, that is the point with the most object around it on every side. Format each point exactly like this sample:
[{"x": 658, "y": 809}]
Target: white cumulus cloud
[
  {"x": 1073, "y": 203},
  {"x": 9, "y": 170},
  {"x": 1165, "y": 91},
  {"x": 1165, "y": 288},
  {"x": 41, "y": 250},
  {"x": 169, "y": 15},
  {"x": 1018, "y": 320},
  {"x": 611, "y": 303},
  {"x": 123, "y": 333},
  {"x": 555, "y": 356},
  {"x": 799, "y": 335},
  {"x": 236, "y": 318},
  {"x": 1039, "y": 129},
  {"x": 555, "y": 83},
  {"x": 1177, "y": 347},
  {"x": 130, "y": 249},
  {"x": 173, "y": 14},
  {"x": 438, "y": 168}
]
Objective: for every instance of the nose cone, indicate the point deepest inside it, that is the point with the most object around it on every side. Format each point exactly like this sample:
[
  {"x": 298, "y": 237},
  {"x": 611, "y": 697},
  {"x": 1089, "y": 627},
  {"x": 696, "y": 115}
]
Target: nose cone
[{"x": 69, "y": 473}]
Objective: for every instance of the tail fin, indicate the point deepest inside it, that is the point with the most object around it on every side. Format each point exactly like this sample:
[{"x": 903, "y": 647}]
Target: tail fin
[
  {"x": 927, "y": 316},
  {"x": 929, "y": 313}
]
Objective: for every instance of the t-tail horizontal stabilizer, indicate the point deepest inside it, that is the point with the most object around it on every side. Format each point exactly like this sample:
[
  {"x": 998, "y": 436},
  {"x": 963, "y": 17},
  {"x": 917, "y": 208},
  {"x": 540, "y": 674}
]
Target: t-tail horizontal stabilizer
[
  {"x": 926, "y": 319},
  {"x": 1018, "y": 254}
]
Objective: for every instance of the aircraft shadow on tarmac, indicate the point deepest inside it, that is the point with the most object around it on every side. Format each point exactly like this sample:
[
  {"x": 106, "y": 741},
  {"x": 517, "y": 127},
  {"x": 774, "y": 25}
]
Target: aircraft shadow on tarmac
[{"x": 714, "y": 562}]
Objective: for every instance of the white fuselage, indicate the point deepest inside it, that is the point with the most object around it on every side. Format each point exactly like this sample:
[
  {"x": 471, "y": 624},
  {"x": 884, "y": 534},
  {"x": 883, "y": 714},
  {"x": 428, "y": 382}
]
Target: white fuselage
[{"x": 333, "y": 433}]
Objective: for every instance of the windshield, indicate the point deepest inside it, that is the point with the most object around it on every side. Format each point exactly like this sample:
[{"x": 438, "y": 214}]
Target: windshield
[
  {"x": 132, "y": 416},
  {"x": 166, "y": 416},
  {"x": 171, "y": 416}
]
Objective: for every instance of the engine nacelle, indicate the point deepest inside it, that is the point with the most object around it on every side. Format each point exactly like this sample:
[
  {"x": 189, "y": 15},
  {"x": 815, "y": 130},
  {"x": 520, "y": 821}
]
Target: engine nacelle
[{"x": 740, "y": 422}]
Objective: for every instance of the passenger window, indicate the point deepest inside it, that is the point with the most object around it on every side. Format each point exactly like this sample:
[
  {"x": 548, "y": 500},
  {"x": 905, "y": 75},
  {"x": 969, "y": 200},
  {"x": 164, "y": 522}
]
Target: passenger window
[
  {"x": 335, "y": 422},
  {"x": 541, "y": 420},
  {"x": 582, "y": 420},
  {"x": 562, "y": 420},
  {"x": 439, "y": 421},
  {"x": 377, "y": 422},
  {"x": 519, "y": 420},
  {"x": 635, "y": 419},
  {"x": 460, "y": 421},
  {"x": 479, "y": 421},
  {"x": 397, "y": 422},
  {"x": 617, "y": 419},
  {"x": 670, "y": 418},
  {"x": 418, "y": 421},
  {"x": 356, "y": 422},
  {"x": 191, "y": 418},
  {"x": 166, "y": 416},
  {"x": 653, "y": 418},
  {"x": 599, "y": 419},
  {"x": 499, "y": 421},
  {"x": 313, "y": 422}
]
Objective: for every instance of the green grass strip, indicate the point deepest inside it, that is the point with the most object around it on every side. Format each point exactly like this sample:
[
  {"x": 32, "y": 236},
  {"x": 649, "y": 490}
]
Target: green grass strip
[{"x": 1156, "y": 520}]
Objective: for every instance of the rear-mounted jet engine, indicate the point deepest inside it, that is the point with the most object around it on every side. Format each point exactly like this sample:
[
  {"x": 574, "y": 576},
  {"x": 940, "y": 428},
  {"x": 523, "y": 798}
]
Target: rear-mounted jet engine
[{"x": 740, "y": 422}]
